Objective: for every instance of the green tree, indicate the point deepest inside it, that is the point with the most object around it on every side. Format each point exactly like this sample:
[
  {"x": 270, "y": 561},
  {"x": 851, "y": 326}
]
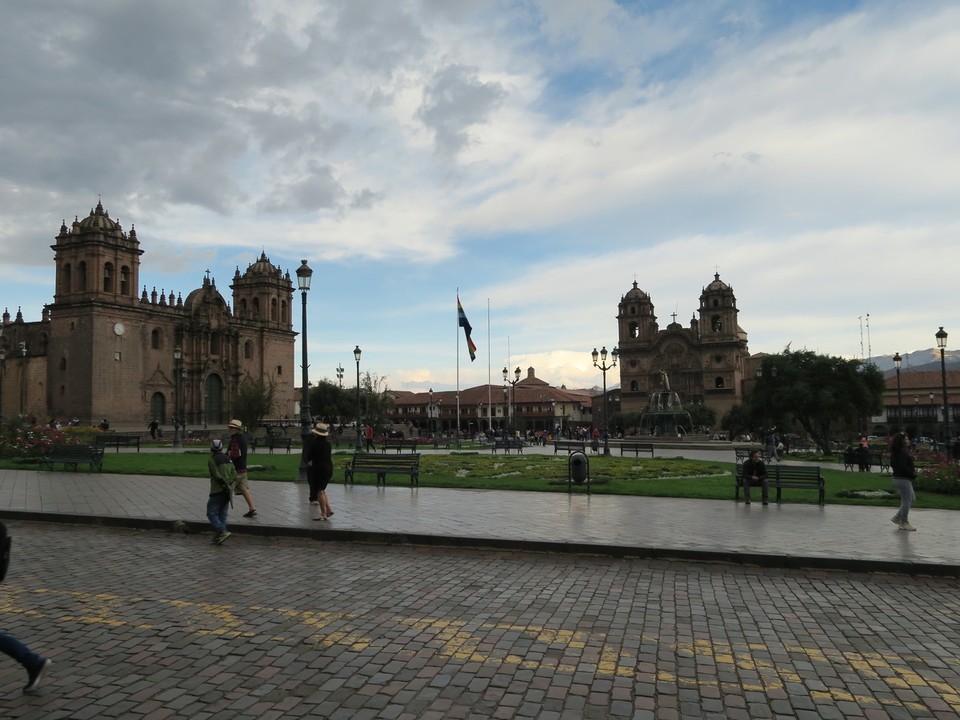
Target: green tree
[
  {"x": 820, "y": 392},
  {"x": 376, "y": 403},
  {"x": 332, "y": 403},
  {"x": 702, "y": 418},
  {"x": 739, "y": 420},
  {"x": 254, "y": 401}
]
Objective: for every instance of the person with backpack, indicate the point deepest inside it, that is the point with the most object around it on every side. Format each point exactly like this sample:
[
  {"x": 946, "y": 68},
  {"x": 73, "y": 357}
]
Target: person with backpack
[
  {"x": 223, "y": 479},
  {"x": 34, "y": 664},
  {"x": 238, "y": 454}
]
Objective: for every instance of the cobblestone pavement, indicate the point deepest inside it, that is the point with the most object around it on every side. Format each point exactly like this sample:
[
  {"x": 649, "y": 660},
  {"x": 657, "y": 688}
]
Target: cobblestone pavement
[{"x": 152, "y": 624}]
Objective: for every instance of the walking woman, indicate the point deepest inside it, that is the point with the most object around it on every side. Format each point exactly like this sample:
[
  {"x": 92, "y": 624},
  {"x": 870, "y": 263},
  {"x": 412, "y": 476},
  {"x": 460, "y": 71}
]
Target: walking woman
[
  {"x": 901, "y": 462},
  {"x": 320, "y": 469}
]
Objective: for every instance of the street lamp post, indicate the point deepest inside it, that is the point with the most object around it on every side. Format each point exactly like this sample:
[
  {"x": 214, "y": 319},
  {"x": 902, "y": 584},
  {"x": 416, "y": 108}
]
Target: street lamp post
[
  {"x": 513, "y": 404},
  {"x": 177, "y": 361},
  {"x": 340, "y": 375},
  {"x": 3, "y": 367},
  {"x": 304, "y": 275},
  {"x": 23, "y": 377},
  {"x": 942, "y": 344},
  {"x": 356, "y": 355},
  {"x": 602, "y": 356},
  {"x": 897, "y": 360}
]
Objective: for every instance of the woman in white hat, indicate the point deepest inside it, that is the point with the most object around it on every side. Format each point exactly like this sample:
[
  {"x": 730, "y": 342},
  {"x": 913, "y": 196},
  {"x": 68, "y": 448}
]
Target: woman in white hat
[{"x": 320, "y": 469}]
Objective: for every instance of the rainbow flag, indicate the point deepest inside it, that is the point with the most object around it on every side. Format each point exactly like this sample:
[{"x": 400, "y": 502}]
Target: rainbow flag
[{"x": 467, "y": 329}]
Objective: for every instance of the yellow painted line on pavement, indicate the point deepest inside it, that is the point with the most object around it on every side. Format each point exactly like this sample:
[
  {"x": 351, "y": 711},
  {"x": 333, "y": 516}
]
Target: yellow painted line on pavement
[{"x": 478, "y": 643}]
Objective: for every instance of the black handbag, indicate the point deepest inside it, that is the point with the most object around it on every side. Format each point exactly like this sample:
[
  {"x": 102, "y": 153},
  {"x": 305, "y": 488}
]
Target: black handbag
[{"x": 5, "y": 543}]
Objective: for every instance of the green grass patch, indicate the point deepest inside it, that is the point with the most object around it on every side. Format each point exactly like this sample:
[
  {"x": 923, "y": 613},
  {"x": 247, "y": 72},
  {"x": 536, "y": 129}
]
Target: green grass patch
[{"x": 660, "y": 477}]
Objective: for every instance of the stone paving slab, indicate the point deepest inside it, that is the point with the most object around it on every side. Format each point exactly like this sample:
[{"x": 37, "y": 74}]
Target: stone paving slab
[
  {"x": 851, "y": 537},
  {"x": 154, "y": 624}
]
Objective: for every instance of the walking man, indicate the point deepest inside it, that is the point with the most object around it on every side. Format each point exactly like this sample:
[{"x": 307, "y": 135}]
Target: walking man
[{"x": 238, "y": 455}]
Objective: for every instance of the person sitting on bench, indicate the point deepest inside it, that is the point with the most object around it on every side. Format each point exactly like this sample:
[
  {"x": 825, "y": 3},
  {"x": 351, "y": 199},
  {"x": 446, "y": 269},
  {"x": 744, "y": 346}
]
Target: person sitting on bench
[{"x": 755, "y": 473}]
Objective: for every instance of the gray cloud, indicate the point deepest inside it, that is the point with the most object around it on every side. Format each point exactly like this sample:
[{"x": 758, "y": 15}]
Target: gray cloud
[{"x": 454, "y": 100}]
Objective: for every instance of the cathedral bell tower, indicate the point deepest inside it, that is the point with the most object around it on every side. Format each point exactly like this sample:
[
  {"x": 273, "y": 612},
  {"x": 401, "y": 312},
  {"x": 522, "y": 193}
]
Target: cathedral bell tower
[{"x": 96, "y": 260}]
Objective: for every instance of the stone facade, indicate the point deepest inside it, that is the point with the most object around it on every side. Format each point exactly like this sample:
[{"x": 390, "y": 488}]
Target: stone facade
[
  {"x": 705, "y": 362},
  {"x": 102, "y": 351}
]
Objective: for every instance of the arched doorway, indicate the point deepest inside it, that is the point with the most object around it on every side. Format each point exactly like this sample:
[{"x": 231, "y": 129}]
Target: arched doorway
[
  {"x": 158, "y": 408},
  {"x": 213, "y": 401}
]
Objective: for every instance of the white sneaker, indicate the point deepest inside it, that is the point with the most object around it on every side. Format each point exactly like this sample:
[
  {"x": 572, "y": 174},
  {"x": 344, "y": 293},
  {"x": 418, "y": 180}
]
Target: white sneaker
[
  {"x": 314, "y": 502},
  {"x": 896, "y": 520},
  {"x": 906, "y": 526}
]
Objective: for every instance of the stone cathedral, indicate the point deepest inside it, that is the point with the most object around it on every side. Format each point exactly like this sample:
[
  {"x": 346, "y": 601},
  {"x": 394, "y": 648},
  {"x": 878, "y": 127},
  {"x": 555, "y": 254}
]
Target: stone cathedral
[
  {"x": 705, "y": 362},
  {"x": 104, "y": 349}
]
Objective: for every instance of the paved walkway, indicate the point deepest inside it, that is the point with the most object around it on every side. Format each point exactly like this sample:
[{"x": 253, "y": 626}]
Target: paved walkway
[{"x": 789, "y": 535}]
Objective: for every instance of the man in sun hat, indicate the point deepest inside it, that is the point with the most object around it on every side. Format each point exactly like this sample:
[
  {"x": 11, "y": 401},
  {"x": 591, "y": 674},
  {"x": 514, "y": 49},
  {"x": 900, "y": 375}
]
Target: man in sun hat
[{"x": 237, "y": 452}]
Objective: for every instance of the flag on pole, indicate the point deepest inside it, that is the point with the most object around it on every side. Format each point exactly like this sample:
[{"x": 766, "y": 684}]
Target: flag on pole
[{"x": 467, "y": 329}]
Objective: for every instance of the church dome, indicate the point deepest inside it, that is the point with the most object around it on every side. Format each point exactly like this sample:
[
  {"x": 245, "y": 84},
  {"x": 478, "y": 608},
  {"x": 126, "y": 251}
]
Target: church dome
[
  {"x": 262, "y": 267},
  {"x": 99, "y": 220},
  {"x": 717, "y": 284},
  {"x": 635, "y": 293}
]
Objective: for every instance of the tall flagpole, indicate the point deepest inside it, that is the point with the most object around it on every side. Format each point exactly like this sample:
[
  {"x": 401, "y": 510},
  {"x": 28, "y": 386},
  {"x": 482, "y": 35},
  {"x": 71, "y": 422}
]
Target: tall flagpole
[
  {"x": 489, "y": 377},
  {"x": 456, "y": 336}
]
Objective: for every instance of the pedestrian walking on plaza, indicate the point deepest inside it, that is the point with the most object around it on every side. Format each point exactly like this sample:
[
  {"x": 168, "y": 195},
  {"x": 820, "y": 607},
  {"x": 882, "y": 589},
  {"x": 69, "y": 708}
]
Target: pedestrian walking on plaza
[
  {"x": 34, "y": 664},
  {"x": 320, "y": 469},
  {"x": 904, "y": 473},
  {"x": 238, "y": 455},
  {"x": 368, "y": 435},
  {"x": 153, "y": 426},
  {"x": 754, "y": 472},
  {"x": 223, "y": 479}
]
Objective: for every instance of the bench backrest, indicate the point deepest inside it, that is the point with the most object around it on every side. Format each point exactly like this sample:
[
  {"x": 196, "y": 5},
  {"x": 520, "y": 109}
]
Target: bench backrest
[
  {"x": 795, "y": 472},
  {"x": 365, "y": 460}
]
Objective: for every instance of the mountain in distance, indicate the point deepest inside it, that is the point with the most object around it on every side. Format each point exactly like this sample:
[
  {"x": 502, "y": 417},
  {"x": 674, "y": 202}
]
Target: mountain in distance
[{"x": 918, "y": 361}]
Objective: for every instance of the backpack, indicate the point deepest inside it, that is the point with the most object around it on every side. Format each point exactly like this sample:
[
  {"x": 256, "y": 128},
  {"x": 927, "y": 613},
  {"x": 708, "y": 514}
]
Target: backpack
[
  {"x": 5, "y": 543},
  {"x": 226, "y": 472}
]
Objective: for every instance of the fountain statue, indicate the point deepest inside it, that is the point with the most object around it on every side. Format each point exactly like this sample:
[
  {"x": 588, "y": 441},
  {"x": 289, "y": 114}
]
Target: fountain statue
[{"x": 665, "y": 415}]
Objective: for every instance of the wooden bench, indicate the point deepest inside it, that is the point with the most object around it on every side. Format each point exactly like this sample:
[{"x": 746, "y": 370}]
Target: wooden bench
[
  {"x": 802, "y": 477},
  {"x": 507, "y": 444},
  {"x": 70, "y": 456},
  {"x": 115, "y": 440},
  {"x": 857, "y": 459},
  {"x": 272, "y": 442},
  {"x": 636, "y": 448},
  {"x": 569, "y": 446},
  {"x": 383, "y": 465},
  {"x": 398, "y": 444}
]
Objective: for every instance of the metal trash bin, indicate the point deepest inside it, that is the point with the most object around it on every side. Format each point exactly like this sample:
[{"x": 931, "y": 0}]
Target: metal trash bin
[{"x": 578, "y": 470}]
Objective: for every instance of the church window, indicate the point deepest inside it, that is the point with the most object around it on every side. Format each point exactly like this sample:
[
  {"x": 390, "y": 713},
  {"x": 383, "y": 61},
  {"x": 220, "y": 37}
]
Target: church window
[
  {"x": 67, "y": 280},
  {"x": 718, "y": 359},
  {"x": 215, "y": 344},
  {"x": 633, "y": 309},
  {"x": 279, "y": 370},
  {"x": 718, "y": 382},
  {"x": 155, "y": 339},
  {"x": 716, "y": 303},
  {"x": 716, "y": 323},
  {"x": 284, "y": 312},
  {"x": 124, "y": 280},
  {"x": 243, "y": 307},
  {"x": 634, "y": 387},
  {"x": 256, "y": 308},
  {"x": 81, "y": 276},
  {"x": 634, "y": 330},
  {"x": 108, "y": 277},
  {"x": 63, "y": 363},
  {"x": 248, "y": 350},
  {"x": 273, "y": 310}
]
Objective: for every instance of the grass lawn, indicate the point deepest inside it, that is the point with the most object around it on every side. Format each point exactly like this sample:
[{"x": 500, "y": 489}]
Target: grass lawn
[{"x": 661, "y": 477}]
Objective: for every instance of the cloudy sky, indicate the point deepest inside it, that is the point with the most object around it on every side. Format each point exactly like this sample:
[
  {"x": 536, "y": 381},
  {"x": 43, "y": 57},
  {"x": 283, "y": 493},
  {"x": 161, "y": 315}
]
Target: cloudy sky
[{"x": 539, "y": 155}]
